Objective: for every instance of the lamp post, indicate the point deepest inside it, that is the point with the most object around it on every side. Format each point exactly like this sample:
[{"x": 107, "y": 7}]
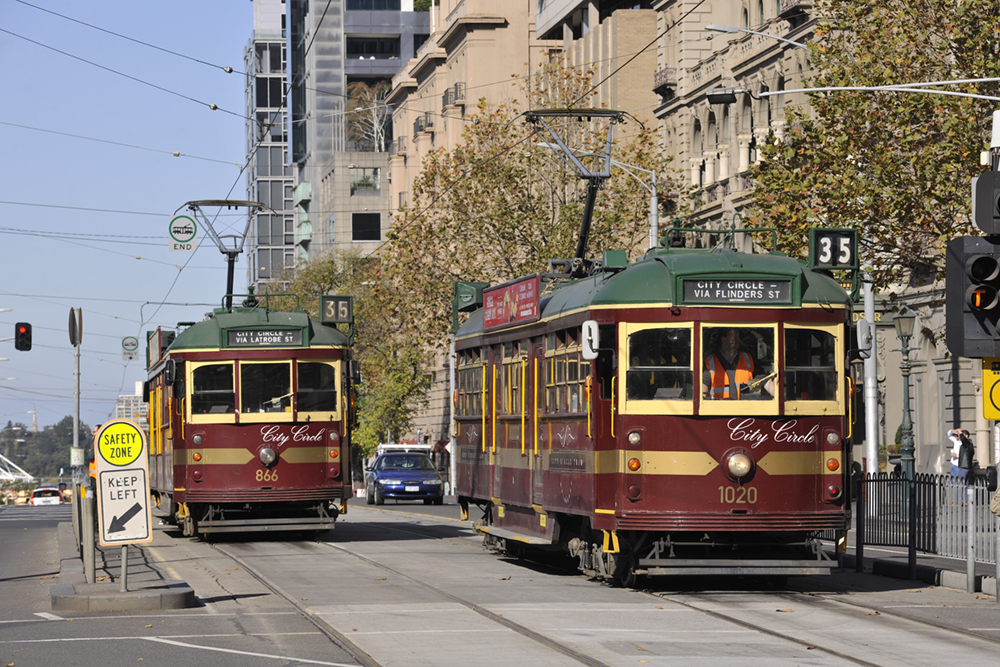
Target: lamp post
[
  {"x": 904, "y": 321},
  {"x": 718, "y": 27}
]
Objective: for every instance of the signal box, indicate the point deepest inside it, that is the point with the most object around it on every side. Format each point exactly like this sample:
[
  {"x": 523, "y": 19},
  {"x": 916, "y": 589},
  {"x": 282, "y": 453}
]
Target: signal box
[{"x": 972, "y": 305}]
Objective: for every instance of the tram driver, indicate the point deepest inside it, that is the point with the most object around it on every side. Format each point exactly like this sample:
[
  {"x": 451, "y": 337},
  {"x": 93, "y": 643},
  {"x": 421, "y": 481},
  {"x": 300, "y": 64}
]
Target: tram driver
[{"x": 731, "y": 370}]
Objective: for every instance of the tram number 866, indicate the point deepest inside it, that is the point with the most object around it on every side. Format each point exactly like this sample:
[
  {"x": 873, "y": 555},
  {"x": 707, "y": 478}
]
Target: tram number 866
[
  {"x": 740, "y": 495},
  {"x": 267, "y": 476}
]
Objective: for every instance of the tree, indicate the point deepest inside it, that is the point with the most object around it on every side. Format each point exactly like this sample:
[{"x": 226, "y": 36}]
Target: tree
[
  {"x": 500, "y": 205},
  {"x": 368, "y": 115},
  {"x": 394, "y": 384},
  {"x": 895, "y": 165}
]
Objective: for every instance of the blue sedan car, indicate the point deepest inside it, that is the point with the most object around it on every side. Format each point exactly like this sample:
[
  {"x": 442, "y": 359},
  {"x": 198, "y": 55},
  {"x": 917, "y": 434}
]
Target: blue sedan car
[{"x": 403, "y": 476}]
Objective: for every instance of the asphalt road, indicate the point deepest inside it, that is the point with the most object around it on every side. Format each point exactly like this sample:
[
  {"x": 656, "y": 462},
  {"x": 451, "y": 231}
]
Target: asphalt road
[{"x": 409, "y": 585}]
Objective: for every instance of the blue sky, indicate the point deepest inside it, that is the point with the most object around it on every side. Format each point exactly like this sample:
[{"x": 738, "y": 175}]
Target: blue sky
[{"x": 88, "y": 183}]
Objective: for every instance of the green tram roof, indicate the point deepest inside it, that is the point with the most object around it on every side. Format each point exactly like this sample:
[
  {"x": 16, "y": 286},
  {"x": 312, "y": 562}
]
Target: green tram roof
[
  {"x": 212, "y": 333},
  {"x": 657, "y": 278}
]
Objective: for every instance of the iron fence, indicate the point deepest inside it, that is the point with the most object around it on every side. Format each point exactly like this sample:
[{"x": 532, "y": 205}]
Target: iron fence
[{"x": 934, "y": 514}]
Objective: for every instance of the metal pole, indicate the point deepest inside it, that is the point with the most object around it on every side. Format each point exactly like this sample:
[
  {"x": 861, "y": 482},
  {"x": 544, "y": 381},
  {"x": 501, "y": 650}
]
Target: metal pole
[
  {"x": 859, "y": 547},
  {"x": 970, "y": 540},
  {"x": 452, "y": 441},
  {"x": 88, "y": 537},
  {"x": 124, "y": 587},
  {"x": 996, "y": 557},
  {"x": 911, "y": 556},
  {"x": 871, "y": 379},
  {"x": 654, "y": 222},
  {"x": 906, "y": 449}
]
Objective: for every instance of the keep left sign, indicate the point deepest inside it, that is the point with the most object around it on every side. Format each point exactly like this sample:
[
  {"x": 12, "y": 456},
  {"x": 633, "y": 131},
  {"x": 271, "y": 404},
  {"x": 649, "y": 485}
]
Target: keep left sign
[{"x": 123, "y": 510}]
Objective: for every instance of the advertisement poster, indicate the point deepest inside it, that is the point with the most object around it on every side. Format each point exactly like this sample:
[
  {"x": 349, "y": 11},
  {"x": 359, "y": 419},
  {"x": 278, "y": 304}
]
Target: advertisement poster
[{"x": 516, "y": 302}]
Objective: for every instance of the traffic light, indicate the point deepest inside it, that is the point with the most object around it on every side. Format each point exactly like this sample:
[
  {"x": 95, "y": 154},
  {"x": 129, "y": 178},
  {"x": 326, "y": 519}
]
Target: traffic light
[
  {"x": 986, "y": 201},
  {"x": 972, "y": 306},
  {"x": 22, "y": 336}
]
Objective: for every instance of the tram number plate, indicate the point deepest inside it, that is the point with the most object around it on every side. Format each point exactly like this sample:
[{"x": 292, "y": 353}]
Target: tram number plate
[
  {"x": 740, "y": 495},
  {"x": 412, "y": 489}
]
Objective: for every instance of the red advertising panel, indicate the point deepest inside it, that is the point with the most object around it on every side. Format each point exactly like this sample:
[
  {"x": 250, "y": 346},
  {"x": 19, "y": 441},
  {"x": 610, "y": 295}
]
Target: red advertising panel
[{"x": 512, "y": 303}]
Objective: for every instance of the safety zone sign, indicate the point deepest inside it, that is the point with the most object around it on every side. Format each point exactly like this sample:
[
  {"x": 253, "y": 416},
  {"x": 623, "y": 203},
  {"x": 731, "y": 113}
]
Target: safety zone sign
[{"x": 122, "y": 484}]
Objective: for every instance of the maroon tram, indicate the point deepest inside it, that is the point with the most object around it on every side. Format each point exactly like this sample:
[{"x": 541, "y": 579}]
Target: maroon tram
[
  {"x": 591, "y": 417},
  {"x": 248, "y": 420}
]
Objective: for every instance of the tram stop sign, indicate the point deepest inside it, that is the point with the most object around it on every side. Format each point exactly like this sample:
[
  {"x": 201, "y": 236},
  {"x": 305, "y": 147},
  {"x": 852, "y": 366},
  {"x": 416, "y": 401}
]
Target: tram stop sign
[{"x": 123, "y": 509}]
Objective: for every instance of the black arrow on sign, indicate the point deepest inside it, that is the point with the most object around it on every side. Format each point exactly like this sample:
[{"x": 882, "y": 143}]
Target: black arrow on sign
[{"x": 118, "y": 524}]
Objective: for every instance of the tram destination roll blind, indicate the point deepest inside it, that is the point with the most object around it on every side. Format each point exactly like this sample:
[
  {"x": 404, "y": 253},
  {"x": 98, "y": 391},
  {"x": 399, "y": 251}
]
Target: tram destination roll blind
[
  {"x": 737, "y": 291},
  {"x": 264, "y": 337}
]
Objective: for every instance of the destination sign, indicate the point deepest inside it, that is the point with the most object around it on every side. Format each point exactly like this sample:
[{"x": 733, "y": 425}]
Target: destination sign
[
  {"x": 264, "y": 338},
  {"x": 738, "y": 291}
]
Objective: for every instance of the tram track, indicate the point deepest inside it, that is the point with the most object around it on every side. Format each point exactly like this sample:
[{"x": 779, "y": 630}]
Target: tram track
[
  {"x": 362, "y": 656},
  {"x": 738, "y": 608}
]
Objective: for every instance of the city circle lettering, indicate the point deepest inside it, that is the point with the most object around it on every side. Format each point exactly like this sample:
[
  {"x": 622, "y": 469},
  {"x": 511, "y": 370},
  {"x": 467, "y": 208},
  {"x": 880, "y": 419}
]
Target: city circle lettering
[{"x": 120, "y": 444}]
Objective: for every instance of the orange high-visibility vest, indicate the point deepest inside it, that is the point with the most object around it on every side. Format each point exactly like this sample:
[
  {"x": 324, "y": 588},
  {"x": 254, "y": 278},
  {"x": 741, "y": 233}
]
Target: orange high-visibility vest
[{"x": 720, "y": 378}]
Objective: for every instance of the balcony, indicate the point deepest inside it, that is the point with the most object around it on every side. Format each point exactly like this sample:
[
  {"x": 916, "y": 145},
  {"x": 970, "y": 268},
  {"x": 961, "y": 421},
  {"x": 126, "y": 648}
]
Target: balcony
[
  {"x": 792, "y": 7},
  {"x": 404, "y": 200},
  {"x": 453, "y": 95},
  {"x": 429, "y": 121},
  {"x": 398, "y": 146},
  {"x": 418, "y": 126},
  {"x": 665, "y": 81}
]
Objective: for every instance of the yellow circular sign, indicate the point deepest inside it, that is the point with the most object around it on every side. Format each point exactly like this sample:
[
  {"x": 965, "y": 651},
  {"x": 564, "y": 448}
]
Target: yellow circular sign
[{"x": 120, "y": 443}]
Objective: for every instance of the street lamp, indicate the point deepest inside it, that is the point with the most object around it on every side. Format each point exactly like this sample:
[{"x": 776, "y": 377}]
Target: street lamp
[
  {"x": 718, "y": 27},
  {"x": 904, "y": 321}
]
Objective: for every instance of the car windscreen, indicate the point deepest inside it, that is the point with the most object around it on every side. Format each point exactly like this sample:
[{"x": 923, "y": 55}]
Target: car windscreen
[{"x": 405, "y": 462}]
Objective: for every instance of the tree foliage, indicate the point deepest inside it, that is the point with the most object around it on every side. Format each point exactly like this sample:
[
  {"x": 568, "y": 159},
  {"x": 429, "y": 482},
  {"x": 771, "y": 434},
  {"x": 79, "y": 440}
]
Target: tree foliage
[
  {"x": 500, "y": 205},
  {"x": 895, "y": 165},
  {"x": 394, "y": 385},
  {"x": 42, "y": 454}
]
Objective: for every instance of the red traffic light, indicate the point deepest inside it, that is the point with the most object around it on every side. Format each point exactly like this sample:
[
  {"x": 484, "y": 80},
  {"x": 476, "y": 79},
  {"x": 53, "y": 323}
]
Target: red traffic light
[{"x": 22, "y": 336}]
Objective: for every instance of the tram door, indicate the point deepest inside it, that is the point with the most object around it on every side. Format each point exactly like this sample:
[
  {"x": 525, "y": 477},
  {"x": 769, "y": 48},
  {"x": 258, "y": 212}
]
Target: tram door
[{"x": 535, "y": 384}]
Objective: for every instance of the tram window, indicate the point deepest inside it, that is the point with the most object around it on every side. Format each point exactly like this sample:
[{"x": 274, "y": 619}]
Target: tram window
[
  {"x": 265, "y": 387},
  {"x": 659, "y": 365},
  {"x": 735, "y": 359},
  {"x": 212, "y": 389},
  {"x": 810, "y": 365},
  {"x": 317, "y": 387}
]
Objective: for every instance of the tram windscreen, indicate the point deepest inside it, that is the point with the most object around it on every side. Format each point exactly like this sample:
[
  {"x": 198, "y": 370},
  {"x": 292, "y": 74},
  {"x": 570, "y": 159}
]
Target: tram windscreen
[
  {"x": 317, "y": 387},
  {"x": 738, "y": 363},
  {"x": 810, "y": 365},
  {"x": 659, "y": 365},
  {"x": 265, "y": 387},
  {"x": 212, "y": 389}
]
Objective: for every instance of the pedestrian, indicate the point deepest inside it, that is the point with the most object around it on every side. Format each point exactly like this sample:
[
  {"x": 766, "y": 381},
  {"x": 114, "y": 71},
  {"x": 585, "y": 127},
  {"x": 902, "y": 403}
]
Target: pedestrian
[{"x": 962, "y": 453}]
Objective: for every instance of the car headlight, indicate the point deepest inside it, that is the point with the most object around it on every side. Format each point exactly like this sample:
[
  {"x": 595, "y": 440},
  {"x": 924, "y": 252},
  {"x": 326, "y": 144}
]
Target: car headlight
[
  {"x": 433, "y": 482},
  {"x": 392, "y": 482}
]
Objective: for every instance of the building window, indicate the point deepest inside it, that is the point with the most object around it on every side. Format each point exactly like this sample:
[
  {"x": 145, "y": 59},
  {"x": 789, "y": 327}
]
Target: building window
[
  {"x": 373, "y": 5},
  {"x": 373, "y": 48},
  {"x": 366, "y": 226},
  {"x": 365, "y": 181},
  {"x": 418, "y": 41}
]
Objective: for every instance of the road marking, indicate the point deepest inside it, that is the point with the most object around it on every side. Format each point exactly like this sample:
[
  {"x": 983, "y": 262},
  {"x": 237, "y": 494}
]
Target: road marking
[
  {"x": 283, "y": 658},
  {"x": 163, "y": 639},
  {"x": 49, "y": 617}
]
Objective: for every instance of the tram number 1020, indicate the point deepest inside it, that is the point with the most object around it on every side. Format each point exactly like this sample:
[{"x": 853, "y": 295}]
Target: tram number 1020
[{"x": 740, "y": 495}]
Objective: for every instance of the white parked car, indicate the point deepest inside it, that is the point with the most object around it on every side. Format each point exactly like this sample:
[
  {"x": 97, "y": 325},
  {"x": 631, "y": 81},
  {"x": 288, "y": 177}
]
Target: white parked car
[{"x": 45, "y": 496}]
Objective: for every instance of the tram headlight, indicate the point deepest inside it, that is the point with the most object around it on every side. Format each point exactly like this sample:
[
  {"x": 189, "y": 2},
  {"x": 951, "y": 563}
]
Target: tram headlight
[
  {"x": 196, "y": 439},
  {"x": 334, "y": 436},
  {"x": 634, "y": 464},
  {"x": 634, "y": 438},
  {"x": 739, "y": 465},
  {"x": 833, "y": 438},
  {"x": 832, "y": 465},
  {"x": 267, "y": 456},
  {"x": 197, "y": 457}
]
